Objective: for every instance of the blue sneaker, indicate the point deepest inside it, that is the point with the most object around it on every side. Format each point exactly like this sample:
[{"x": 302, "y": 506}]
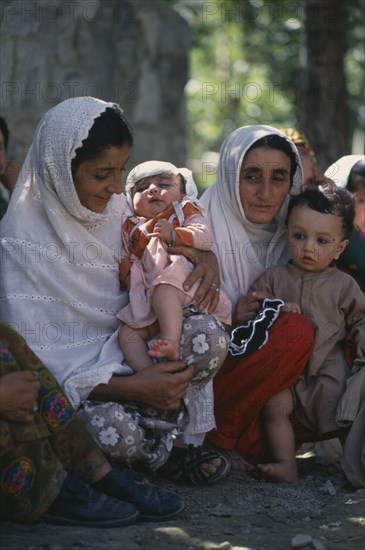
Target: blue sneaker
[
  {"x": 152, "y": 502},
  {"x": 80, "y": 504}
]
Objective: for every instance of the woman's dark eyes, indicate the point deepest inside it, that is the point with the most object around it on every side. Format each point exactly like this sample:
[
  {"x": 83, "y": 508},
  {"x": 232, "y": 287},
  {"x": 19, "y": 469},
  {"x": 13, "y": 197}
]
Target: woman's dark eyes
[{"x": 275, "y": 179}]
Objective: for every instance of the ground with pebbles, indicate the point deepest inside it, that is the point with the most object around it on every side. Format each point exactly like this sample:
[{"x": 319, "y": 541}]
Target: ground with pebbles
[{"x": 321, "y": 511}]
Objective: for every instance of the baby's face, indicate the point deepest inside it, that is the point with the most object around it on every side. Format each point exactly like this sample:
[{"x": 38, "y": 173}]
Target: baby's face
[
  {"x": 314, "y": 239},
  {"x": 152, "y": 195}
]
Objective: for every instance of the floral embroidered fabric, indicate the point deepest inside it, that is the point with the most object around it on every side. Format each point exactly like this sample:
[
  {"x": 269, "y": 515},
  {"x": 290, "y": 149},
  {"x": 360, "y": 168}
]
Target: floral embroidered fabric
[
  {"x": 131, "y": 433},
  {"x": 34, "y": 456}
]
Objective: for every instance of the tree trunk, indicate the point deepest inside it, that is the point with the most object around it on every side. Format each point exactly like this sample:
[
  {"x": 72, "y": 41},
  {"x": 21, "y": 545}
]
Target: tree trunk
[{"x": 325, "y": 119}]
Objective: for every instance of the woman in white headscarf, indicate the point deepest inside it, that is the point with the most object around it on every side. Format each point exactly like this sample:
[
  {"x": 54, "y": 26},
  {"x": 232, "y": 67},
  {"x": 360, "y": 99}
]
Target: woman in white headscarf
[
  {"x": 61, "y": 246},
  {"x": 349, "y": 172},
  {"x": 259, "y": 169}
]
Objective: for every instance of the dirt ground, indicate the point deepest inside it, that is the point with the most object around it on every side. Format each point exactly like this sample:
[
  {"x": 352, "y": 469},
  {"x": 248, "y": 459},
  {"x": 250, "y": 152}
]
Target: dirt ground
[{"x": 320, "y": 511}]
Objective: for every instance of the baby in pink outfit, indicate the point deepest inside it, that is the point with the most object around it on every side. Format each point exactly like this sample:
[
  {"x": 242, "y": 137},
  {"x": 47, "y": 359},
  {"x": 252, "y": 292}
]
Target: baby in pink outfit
[{"x": 166, "y": 212}]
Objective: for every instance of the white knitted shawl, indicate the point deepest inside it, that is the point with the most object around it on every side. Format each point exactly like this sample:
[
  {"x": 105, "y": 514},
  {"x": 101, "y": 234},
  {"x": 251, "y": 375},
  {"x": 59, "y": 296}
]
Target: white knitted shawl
[
  {"x": 245, "y": 249},
  {"x": 59, "y": 260},
  {"x": 340, "y": 170}
]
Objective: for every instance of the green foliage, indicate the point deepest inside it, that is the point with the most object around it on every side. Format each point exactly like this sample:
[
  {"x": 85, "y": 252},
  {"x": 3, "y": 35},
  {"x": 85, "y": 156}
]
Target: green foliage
[{"x": 245, "y": 67}]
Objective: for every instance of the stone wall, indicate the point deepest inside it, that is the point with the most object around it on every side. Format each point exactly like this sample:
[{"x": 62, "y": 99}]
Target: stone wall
[{"x": 128, "y": 51}]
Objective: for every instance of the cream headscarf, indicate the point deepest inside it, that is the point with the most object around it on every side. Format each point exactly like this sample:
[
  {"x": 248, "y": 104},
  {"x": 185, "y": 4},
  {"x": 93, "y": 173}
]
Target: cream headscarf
[
  {"x": 59, "y": 272},
  {"x": 245, "y": 249},
  {"x": 340, "y": 170}
]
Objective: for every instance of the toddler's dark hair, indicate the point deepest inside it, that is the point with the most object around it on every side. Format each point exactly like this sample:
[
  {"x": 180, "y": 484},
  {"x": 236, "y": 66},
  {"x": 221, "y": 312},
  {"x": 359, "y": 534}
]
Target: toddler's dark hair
[{"x": 328, "y": 200}]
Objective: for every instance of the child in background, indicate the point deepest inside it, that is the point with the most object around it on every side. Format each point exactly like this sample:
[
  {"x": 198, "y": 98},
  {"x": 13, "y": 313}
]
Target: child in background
[
  {"x": 312, "y": 175},
  {"x": 319, "y": 226},
  {"x": 165, "y": 212}
]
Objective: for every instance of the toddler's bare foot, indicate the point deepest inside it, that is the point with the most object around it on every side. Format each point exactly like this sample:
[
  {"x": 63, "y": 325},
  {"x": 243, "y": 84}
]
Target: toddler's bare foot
[
  {"x": 284, "y": 471},
  {"x": 165, "y": 349}
]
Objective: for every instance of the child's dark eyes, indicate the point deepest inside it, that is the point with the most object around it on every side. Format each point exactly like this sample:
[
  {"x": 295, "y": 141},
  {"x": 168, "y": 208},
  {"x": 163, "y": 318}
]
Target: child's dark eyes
[
  {"x": 301, "y": 237},
  {"x": 145, "y": 186},
  {"x": 322, "y": 241},
  {"x": 141, "y": 188}
]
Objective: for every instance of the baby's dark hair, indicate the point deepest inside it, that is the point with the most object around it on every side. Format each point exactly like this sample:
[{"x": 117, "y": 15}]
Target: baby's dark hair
[
  {"x": 357, "y": 171},
  {"x": 328, "y": 200},
  {"x": 273, "y": 141},
  {"x": 110, "y": 129}
]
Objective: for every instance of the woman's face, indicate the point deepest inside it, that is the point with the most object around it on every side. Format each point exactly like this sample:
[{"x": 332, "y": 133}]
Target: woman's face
[
  {"x": 98, "y": 179},
  {"x": 264, "y": 183}
]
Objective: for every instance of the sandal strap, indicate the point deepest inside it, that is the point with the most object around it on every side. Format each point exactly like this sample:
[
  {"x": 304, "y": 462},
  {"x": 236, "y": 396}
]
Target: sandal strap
[{"x": 189, "y": 461}]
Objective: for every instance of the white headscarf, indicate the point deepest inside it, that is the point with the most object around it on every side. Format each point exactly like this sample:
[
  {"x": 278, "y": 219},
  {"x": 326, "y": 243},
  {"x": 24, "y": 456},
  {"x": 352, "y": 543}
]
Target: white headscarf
[
  {"x": 245, "y": 249},
  {"x": 340, "y": 170},
  {"x": 59, "y": 272}
]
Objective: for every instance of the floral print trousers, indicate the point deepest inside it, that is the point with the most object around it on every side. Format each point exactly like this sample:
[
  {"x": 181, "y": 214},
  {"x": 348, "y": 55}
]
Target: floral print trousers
[{"x": 141, "y": 436}]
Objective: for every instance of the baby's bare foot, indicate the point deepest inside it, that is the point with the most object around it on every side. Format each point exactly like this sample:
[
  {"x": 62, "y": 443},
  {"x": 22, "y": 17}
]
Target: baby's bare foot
[
  {"x": 282, "y": 472},
  {"x": 165, "y": 349}
]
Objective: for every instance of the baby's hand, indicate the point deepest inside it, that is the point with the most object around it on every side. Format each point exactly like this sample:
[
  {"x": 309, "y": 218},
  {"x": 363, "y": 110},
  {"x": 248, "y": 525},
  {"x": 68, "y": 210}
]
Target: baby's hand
[
  {"x": 291, "y": 307},
  {"x": 162, "y": 230}
]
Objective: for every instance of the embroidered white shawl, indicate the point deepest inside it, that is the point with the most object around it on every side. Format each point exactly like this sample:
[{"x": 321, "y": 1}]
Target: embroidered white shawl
[
  {"x": 59, "y": 264},
  {"x": 245, "y": 249},
  {"x": 340, "y": 170}
]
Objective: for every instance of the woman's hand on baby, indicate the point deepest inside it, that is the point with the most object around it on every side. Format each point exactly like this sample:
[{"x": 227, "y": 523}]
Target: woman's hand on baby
[
  {"x": 248, "y": 306},
  {"x": 291, "y": 307},
  {"x": 18, "y": 396},
  {"x": 162, "y": 229},
  {"x": 163, "y": 385},
  {"x": 207, "y": 269}
]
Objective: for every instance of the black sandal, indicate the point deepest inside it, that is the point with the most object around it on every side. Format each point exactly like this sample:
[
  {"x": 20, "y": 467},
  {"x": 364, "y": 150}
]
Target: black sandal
[{"x": 184, "y": 466}]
